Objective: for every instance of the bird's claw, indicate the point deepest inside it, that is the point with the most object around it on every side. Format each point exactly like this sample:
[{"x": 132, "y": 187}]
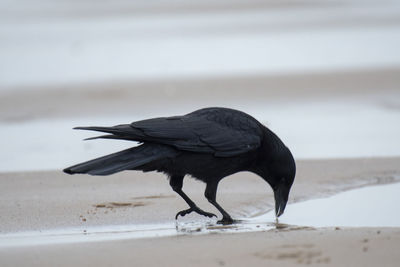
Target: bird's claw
[
  {"x": 226, "y": 221},
  {"x": 197, "y": 210}
]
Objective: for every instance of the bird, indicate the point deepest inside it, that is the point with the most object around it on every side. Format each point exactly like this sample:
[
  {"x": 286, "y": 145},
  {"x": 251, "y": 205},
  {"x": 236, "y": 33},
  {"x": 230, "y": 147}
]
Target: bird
[{"x": 208, "y": 144}]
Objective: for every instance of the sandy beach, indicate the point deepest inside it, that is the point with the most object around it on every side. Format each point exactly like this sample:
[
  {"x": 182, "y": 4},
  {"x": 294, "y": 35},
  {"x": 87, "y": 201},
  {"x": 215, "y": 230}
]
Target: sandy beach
[
  {"x": 301, "y": 247},
  {"x": 38, "y": 201},
  {"x": 323, "y": 76}
]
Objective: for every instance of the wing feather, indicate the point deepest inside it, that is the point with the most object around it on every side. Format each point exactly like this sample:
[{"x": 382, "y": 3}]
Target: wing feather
[
  {"x": 220, "y": 131},
  {"x": 223, "y": 132}
]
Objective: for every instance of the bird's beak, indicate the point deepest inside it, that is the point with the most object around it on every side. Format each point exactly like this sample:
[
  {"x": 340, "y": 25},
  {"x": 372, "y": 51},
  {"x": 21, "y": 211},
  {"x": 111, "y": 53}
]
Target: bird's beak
[{"x": 281, "y": 197}]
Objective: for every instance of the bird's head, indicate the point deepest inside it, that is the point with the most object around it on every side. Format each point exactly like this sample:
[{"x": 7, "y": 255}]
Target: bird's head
[
  {"x": 280, "y": 171},
  {"x": 281, "y": 193},
  {"x": 283, "y": 171}
]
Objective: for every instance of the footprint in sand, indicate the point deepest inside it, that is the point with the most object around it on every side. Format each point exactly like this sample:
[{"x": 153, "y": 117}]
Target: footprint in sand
[{"x": 111, "y": 205}]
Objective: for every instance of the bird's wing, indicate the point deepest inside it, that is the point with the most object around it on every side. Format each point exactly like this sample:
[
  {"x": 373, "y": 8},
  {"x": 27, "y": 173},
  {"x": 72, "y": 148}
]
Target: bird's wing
[{"x": 223, "y": 132}]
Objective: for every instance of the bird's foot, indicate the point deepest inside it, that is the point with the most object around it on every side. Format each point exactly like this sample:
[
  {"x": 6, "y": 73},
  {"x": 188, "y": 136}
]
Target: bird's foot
[
  {"x": 226, "y": 221},
  {"x": 197, "y": 210}
]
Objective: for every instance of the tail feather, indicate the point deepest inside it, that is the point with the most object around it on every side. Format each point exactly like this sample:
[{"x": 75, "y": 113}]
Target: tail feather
[
  {"x": 124, "y": 160},
  {"x": 121, "y": 132},
  {"x": 111, "y": 136}
]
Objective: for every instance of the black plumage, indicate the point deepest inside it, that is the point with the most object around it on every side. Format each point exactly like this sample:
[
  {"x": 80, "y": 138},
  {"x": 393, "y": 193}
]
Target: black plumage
[{"x": 208, "y": 144}]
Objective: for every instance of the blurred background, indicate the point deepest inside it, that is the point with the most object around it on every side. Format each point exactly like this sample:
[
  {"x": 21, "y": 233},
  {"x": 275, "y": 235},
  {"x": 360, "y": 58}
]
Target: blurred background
[{"x": 323, "y": 75}]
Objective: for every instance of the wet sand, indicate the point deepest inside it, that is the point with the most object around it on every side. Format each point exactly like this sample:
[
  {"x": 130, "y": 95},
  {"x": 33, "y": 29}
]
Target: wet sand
[
  {"x": 41, "y": 201},
  {"x": 301, "y": 247}
]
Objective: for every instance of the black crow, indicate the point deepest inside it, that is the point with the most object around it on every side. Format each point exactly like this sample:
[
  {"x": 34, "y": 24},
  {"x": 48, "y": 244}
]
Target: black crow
[{"x": 208, "y": 144}]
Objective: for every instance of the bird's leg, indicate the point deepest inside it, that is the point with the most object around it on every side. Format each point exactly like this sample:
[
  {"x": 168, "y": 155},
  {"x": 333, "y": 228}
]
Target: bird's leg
[
  {"x": 176, "y": 183},
  {"x": 211, "y": 195}
]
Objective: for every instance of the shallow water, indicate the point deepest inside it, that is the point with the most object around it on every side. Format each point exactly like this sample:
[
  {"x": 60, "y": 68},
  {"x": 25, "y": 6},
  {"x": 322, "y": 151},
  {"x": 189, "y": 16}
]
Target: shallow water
[
  {"x": 363, "y": 207},
  {"x": 374, "y": 206},
  {"x": 122, "y": 232}
]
